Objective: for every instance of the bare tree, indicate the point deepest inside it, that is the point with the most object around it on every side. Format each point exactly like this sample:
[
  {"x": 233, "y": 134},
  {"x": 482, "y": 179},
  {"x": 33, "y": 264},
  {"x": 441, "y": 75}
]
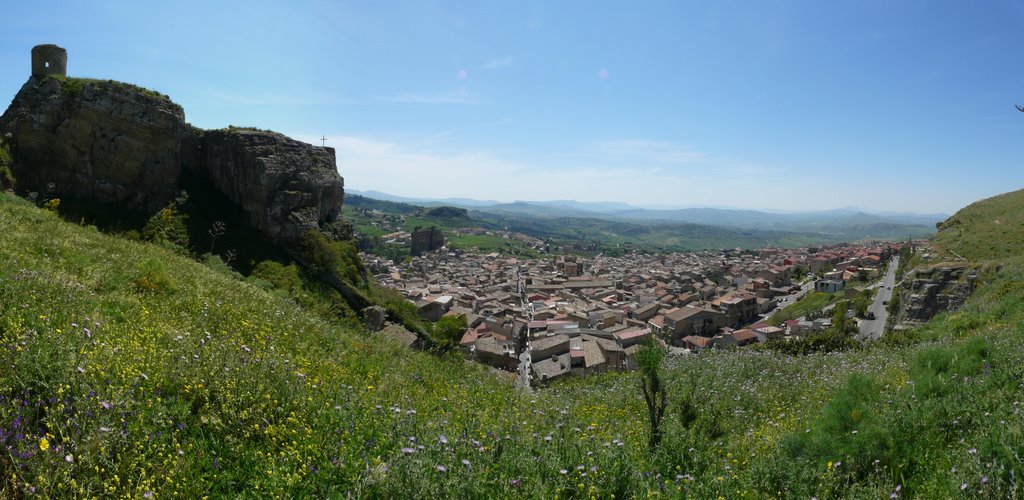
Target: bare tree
[
  {"x": 229, "y": 256},
  {"x": 216, "y": 230}
]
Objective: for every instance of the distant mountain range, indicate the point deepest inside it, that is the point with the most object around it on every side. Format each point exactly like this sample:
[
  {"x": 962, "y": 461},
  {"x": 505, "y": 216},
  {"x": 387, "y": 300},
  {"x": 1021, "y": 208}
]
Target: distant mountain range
[{"x": 836, "y": 221}]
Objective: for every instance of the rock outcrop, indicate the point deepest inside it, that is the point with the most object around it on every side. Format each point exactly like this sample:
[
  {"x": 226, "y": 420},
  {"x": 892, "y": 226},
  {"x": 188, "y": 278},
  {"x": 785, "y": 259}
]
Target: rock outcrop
[
  {"x": 117, "y": 143},
  {"x": 926, "y": 292},
  {"x": 285, "y": 186},
  {"x": 104, "y": 141},
  {"x": 426, "y": 240}
]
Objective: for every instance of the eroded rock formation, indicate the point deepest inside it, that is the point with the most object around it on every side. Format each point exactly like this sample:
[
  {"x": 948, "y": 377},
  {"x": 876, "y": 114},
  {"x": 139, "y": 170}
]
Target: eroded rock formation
[
  {"x": 926, "y": 292},
  {"x": 285, "y": 186},
  {"x": 99, "y": 140},
  {"x": 117, "y": 143}
]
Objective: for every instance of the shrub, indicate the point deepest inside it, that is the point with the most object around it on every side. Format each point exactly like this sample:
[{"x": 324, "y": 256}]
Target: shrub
[
  {"x": 446, "y": 333},
  {"x": 316, "y": 250},
  {"x": 167, "y": 227},
  {"x": 282, "y": 277},
  {"x": 6, "y": 176},
  {"x": 217, "y": 264},
  {"x": 152, "y": 277}
]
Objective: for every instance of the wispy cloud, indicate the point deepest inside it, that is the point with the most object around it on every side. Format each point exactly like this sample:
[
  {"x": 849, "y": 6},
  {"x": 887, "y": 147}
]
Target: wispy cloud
[
  {"x": 416, "y": 167},
  {"x": 645, "y": 151},
  {"x": 280, "y": 99},
  {"x": 430, "y": 168},
  {"x": 497, "y": 63},
  {"x": 460, "y": 97}
]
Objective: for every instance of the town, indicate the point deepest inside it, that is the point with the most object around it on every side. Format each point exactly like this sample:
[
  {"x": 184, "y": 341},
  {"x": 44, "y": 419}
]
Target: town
[{"x": 562, "y": 315}]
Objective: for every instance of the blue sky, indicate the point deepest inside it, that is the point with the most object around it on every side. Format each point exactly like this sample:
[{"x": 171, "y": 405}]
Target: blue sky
[{"x": 888, "y": 105}]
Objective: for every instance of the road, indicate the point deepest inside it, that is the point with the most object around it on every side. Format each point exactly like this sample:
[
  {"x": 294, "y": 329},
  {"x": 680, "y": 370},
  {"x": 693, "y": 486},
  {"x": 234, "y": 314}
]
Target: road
[
  {"x": 790, "y": 299},
  {"x": 872, "y": 329}
]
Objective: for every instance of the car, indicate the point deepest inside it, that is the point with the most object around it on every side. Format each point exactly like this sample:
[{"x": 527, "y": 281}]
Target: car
[
  {"x": 871, "y": 315},
  {"x": 885, "y": 302}
]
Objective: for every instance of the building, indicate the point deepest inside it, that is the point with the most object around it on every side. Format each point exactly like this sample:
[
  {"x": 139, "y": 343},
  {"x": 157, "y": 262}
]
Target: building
[
  {"x": 688, "y": 320},
  {"x": 426, "y": 240},
  {"x": 829, "y": 286}
]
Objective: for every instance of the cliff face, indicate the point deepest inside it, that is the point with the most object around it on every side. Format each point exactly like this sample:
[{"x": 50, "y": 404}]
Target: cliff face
[
  {"x": 114, "y": 142},
  {"x": 926, "y": 292},
  {"x": 285, "y": 186},
  {"x": 937, "y": 290},
  {"x": 102, "y": 141}
]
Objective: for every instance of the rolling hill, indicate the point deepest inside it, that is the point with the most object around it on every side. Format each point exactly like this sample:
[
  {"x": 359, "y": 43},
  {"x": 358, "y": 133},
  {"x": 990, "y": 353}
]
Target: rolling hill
[
  {"x": 569, "y": 223},
  {"x": 615, "y": 223},
  {"x": 986, "y": 229}
]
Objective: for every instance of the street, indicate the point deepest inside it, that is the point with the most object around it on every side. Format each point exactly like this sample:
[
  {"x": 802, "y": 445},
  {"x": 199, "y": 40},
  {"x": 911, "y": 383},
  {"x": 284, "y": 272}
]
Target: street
[
  {"x": 872, "y": 329},
  {"x": 790, "y": 299}
]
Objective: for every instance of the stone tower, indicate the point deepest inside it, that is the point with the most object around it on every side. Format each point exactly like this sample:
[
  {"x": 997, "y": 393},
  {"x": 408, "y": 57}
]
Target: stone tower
[{"x": 49, "y": 60}]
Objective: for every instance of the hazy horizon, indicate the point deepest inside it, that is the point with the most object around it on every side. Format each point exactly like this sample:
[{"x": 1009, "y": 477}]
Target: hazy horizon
[
  {"x": 904, "y": 107},
  {"x": 369, "y": 192}
]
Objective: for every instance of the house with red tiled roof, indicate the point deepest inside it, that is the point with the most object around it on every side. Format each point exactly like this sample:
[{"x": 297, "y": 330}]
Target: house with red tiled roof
[
  {"x": 744, "y": 337},
  {"x": 694, "y": 342}
]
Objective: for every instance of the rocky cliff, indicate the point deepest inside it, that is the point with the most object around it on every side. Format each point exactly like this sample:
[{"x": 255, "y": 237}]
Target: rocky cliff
[
  {"x": 927, "y": 291},
  {"x": 99, "y": 140},
  {"x": 285, "y": 186},
  {"x": 118, "y": 143}
]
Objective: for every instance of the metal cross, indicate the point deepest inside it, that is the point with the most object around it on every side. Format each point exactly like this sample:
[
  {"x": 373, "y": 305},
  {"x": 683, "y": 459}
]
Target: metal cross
[{"x": 324, "y": 140}]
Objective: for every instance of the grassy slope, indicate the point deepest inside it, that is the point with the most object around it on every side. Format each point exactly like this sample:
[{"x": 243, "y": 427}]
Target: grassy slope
[
  {"x": 208, "y": 386},
  {"x": 813, "y": 301},
  {"x": 986, "y": 229}
]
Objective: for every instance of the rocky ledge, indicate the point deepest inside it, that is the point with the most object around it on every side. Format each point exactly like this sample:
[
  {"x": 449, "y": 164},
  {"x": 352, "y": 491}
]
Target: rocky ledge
[{"x": 926, "y": 292}]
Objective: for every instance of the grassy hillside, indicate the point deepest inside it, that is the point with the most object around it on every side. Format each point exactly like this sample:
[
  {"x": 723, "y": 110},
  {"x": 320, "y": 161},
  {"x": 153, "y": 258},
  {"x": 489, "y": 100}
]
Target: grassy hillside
[
  {"x": 130, "y": 370},
  {"x": 986, "y": 229}
]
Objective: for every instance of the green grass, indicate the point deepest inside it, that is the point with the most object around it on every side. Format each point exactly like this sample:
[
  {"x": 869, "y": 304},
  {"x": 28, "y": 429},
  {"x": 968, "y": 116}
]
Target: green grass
[
  {"x": 205, "y": 385},
  {"x": 488, "y": 243},
  {"x": 365, "y": 227},
  {"x": 75, "y": 85},
  {"x": 984, "y": 230},
  {"x": 812, "y": 301}
]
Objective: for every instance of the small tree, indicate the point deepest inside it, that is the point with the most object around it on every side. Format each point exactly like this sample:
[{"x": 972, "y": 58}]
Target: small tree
[
  {"x": 840, "y": 323},
  {"x": 168, "y": 225},
  {"x": 648, "y": 359},
  {"x": 447, "y": 332}
]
